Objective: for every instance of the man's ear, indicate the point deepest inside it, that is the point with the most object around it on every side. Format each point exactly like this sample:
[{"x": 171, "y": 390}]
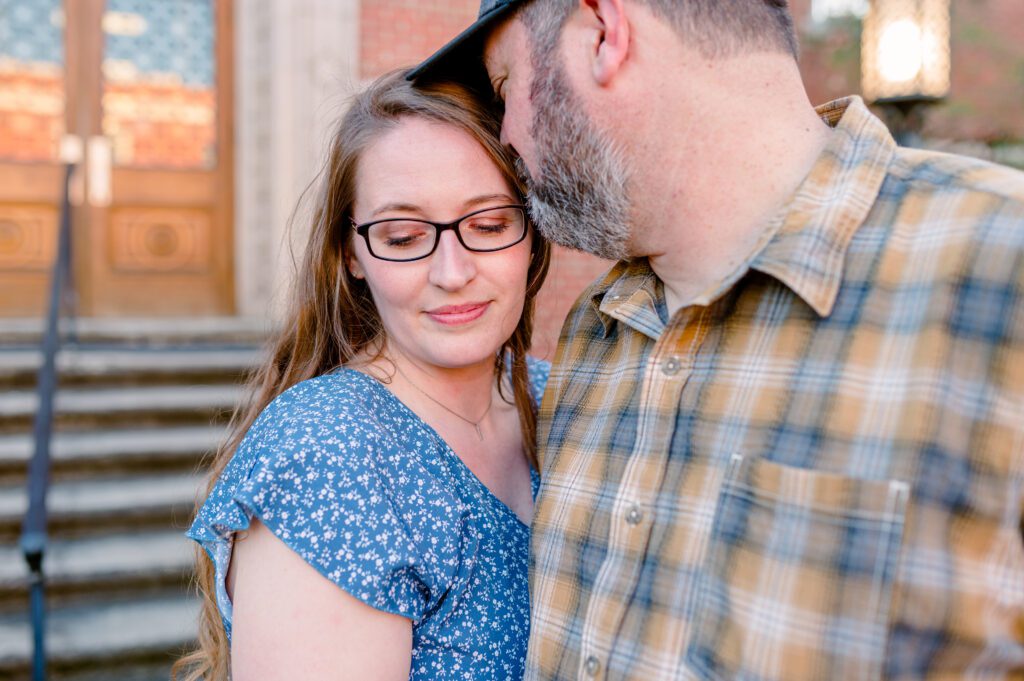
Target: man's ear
[{"x": 613, "y": 43}]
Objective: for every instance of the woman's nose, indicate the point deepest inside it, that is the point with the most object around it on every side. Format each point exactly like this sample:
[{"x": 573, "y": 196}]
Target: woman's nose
[{"x": 451, "y": 266}]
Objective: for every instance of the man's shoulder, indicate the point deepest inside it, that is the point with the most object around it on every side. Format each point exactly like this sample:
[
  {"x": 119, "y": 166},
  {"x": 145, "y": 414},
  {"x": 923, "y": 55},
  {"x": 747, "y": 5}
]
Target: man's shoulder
[
  {"x": 937, "y": 171},
  {"x": 939, "y": 201},
  {"x": 947, "y": 232}
]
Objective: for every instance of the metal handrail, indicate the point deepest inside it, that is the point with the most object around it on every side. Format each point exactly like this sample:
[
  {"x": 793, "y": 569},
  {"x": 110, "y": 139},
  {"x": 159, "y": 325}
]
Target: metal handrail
[{"x": 33, "y": 528}]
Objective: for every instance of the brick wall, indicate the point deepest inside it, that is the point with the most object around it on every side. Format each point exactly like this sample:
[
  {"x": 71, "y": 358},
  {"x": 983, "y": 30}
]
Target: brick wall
[{"x": 396, "y": 33}]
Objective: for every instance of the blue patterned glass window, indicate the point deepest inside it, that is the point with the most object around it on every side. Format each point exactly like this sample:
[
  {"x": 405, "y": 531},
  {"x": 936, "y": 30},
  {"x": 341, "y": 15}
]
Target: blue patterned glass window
[
  {"x": 159, "y": 94},
  {"x": 31, "y": 79}
]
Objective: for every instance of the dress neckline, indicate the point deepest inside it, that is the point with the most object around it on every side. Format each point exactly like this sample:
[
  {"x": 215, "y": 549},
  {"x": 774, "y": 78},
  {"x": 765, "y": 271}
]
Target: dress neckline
[{"x": 450, "y": 453}]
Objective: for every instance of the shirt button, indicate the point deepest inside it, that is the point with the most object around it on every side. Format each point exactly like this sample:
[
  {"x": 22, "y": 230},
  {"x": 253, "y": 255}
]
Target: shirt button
[
  {"x": 671, "y": 366},
  {"x": 634, "y": 515},
  {"x": 592, "y": 666}
]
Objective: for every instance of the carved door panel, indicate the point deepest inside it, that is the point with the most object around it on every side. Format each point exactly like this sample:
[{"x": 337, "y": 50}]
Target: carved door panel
[
  {"x": 160, "y": 241},
  {"x": 149, "y": 97}
]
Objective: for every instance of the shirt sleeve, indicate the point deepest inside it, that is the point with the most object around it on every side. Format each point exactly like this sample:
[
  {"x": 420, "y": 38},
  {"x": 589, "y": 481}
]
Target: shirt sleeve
[
  {"x": 538, "y": 371},
  {"x": 321, "y": 476}
]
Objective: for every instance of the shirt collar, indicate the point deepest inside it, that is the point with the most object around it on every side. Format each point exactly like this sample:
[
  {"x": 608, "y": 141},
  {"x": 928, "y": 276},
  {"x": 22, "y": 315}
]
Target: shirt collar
[
  {"x": 808, "y": 249},
  {"x": 629, "y": 293},
  {"x": 804, "y": 245}
]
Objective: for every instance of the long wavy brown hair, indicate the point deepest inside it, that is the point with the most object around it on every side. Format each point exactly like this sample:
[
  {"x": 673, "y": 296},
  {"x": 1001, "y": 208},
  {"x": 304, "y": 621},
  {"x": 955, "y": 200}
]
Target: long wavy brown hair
[{"x": 332, "y": 317}]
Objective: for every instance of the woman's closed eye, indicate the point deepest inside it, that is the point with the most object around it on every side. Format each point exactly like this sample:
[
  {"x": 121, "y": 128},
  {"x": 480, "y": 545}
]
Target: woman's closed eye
[
  {"x": 401, "y": 234},
  {"x": 489, "y": 227}
]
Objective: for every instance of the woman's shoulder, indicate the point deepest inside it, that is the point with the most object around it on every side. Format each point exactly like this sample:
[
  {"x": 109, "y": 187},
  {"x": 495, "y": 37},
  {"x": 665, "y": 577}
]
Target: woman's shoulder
[
  {"x": 338, "y": 393},
  {"x": 343, "y": 402},
  {"x": 538, "y": 371},
  {"x": 339, "y": 425},
  {"x": 325, "y": 444},
  {"x": 323, "y": 423}
]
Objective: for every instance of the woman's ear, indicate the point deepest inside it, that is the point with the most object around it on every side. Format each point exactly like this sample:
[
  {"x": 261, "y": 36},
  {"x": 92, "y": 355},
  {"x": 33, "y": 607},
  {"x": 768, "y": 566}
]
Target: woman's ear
[{"x": 354, "y": 267}]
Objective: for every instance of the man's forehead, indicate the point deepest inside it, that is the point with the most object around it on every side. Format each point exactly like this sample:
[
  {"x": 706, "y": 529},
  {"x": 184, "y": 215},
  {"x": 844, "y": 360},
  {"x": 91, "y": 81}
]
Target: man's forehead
[{"x": 503, "y": 42}]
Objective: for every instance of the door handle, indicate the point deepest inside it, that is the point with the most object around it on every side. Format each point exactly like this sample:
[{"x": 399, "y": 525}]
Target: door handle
[
  {"x": 72, "y": 149},
  {"x": 99, "y": 163}
]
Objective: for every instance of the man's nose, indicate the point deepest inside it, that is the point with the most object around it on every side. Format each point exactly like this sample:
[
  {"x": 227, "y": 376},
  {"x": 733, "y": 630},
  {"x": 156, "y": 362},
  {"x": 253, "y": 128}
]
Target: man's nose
[{"x": 451, "y": 266}]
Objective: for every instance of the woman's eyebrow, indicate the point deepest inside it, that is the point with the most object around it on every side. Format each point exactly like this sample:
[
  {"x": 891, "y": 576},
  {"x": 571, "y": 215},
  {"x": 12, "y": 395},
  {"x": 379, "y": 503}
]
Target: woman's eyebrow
[
  {"x": 396, "y": 208},
  {"x": 399, "y": 207},
  {"x": 487, "y": 198}
]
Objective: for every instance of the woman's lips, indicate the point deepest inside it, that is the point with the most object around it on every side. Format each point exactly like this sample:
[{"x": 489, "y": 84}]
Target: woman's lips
[{"x": 458, "y": 314}]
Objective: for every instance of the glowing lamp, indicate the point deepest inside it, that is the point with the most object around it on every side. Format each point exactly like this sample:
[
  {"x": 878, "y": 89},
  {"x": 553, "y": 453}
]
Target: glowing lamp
[{"x": 905, "y": 51}]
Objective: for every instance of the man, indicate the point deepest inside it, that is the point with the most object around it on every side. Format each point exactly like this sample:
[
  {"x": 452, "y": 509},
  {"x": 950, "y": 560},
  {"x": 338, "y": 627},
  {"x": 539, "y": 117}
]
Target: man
[{"x": 784, "y": 436}]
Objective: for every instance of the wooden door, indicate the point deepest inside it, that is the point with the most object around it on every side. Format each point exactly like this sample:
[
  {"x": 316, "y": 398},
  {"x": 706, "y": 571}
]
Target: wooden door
[{"x": 147, "y": 92}]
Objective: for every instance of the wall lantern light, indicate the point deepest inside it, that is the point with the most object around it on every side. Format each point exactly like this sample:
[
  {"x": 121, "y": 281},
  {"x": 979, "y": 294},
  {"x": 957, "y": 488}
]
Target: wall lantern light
[{"x": 905, "y": 59}]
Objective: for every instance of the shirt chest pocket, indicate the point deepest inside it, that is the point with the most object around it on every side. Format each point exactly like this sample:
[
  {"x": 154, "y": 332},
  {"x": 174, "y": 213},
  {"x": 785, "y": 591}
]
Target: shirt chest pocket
[{"x": 797, "y": 579}]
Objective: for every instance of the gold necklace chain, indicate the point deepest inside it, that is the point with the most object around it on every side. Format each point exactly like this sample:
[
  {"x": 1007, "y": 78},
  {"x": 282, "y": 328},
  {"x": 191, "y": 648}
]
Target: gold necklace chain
[{"x": 475, "y": 424}]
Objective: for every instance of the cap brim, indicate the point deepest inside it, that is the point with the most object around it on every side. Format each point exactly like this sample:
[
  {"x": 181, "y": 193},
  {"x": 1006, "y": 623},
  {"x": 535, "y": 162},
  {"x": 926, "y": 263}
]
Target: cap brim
[{"x": 462, "y": 59}]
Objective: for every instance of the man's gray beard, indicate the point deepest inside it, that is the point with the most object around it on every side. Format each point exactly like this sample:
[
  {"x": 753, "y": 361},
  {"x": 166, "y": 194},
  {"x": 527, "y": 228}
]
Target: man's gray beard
[{"x": 579, "y": 198}]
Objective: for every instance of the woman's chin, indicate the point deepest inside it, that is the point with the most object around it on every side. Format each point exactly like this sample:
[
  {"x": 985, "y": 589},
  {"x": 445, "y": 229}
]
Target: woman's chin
[{"x": 462, "y": 355}]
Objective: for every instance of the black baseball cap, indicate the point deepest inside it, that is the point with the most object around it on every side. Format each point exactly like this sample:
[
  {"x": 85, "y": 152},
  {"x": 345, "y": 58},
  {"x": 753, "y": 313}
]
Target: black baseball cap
[{"x": 460, "y": 59}]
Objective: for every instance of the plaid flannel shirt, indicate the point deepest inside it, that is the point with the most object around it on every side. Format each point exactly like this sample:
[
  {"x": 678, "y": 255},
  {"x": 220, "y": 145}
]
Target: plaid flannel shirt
[{"x": 815, "y": 471}]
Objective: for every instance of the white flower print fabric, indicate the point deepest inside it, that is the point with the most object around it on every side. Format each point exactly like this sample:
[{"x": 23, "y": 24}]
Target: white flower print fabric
[{"x": 371, "y": 496}]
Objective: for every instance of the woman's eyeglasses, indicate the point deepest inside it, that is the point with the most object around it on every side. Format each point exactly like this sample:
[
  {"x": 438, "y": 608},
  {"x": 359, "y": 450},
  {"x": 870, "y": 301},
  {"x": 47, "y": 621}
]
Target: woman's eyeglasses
[{"x": 482, "y": 231}]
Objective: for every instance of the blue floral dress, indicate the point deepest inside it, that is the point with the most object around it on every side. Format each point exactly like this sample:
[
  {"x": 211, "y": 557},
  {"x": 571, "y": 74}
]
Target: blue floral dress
[{"x": 371, "y": 496}]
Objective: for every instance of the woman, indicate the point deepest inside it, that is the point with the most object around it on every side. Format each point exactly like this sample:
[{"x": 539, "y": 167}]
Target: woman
[{"x": 368, "y": 519}]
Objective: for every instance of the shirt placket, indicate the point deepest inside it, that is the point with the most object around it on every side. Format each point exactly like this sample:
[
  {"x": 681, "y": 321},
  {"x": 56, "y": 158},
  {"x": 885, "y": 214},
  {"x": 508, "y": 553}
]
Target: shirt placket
[{"x": 665, "y": 373}]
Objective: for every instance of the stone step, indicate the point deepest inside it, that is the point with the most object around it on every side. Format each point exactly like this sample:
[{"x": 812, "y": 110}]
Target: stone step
[
  {"x": 116, "y": 634},
  {"x": 156, "y": 669},
  {"x": 107, "y": 407},
  {"x": 99, "y": 567},
  {"x": 146, "y": 366},
  {"x": 77, "y": 454},
  {"x": 141, "y": 331},
  {"x": 93, "y": 506}
]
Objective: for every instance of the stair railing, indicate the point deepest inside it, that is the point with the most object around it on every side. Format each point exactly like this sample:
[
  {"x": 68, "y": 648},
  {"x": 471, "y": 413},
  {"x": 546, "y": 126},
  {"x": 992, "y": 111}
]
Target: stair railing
[{"x": 33, "y": 529}]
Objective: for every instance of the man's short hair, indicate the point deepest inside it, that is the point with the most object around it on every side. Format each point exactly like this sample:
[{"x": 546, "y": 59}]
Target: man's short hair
[{"x": 717, "y": 28}]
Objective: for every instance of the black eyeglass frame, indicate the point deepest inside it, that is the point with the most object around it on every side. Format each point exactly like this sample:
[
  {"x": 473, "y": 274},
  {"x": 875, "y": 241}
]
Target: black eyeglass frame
[{"x": 439, "y": 227}]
